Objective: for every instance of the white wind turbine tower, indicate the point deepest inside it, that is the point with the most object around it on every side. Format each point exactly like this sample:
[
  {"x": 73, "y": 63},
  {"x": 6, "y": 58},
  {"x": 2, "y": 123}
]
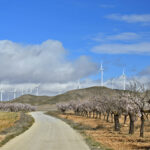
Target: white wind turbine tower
[
  {"x": 31, "y": 90},
  {"x": 124, "y": 80},
  {"x": 112, "y": 87},
  {"x": 14, "y": 93},
  {"x": 102, "y": 72},
  {"x": 37, "y": 90},
  {"x": 78, "y": 86},
  {"x": 22, "y": 91},
  {"x": 28, "y": 91},
  {"x": 1, "y": 94}
]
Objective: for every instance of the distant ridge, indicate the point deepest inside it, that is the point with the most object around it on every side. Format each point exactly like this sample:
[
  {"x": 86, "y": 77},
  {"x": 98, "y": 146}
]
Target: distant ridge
[
  {"x": 32, "y": 99},
  {"x": 78, "y": 94}
]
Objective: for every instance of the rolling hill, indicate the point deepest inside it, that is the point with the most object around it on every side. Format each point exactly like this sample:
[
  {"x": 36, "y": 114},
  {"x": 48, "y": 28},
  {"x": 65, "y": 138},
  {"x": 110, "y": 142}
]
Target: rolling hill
[
  {"x": 78, "y": 94},
  {"x": 32, "y": 99},
  {"x": 45, "y": 103}
]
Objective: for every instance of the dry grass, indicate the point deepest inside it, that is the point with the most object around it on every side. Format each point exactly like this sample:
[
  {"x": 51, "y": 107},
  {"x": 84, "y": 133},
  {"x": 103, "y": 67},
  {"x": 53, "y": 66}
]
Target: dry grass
[
  {"x": 7, "y": 120},
  {"x": 103, "y": 132},
  {"x": 13, "y": 124}
]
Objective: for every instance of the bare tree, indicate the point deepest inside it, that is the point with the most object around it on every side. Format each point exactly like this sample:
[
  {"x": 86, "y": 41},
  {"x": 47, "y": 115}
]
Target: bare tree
[
  {"x": 134, "y": 102},
  {"x": 139, "y": 102},
  {"x": 16, "y": 107}
]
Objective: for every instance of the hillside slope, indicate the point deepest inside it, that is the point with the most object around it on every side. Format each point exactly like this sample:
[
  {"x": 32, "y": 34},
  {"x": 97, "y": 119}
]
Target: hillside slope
[
  {"x": 32, "y": 99},
  {"x": 82, "y": 94},
  {"x": 79, "y": 94}
]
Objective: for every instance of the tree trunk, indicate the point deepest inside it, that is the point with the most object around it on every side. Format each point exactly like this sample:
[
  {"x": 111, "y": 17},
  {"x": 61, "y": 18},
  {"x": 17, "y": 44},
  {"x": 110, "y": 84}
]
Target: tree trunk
[
  {"x": 112, "y": 117},
  {"x": 90, "y": 114},
  {"x": 125, "y": 119},
  {"x": 99, "y": 115},
  {"x": 93, "y": 114},
  {"x": 107, "y": 117},
  {"x": 142, "y": 126},
  {"x": 132, "y": 118},
  {"x": 86, "y": 114},
  {"x": 104, "y": 116},
  {"x": 116, "y": 121},
  {"x": 96, "y": 114}
]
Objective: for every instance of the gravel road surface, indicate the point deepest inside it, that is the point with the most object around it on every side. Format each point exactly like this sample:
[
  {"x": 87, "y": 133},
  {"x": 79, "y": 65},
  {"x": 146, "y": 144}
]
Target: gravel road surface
[{"x": 47, "y": 133}]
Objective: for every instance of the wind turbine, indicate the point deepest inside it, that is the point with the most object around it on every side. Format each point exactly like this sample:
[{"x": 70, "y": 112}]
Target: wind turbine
[
  {"x": 102, "y": 72},
  {"x": 14, "y": 93},
  {"x": 37, "y": 90},
  {"x": 124, "y": 80},
  {"x": 78, "y": 86},
  {"x": 1, "y": 91},
  {"x": 22, "y": 91},
  {"x": 31, "y": 90},
  {"x": 112, "y": 86},
  {"x": 8, "y": 95},
  {"x": 28, "y": 91}
]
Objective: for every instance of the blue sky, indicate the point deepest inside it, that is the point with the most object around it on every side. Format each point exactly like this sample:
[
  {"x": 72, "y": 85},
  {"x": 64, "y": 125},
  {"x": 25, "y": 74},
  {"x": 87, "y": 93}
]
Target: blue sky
[{"x": 115, "y": 32}]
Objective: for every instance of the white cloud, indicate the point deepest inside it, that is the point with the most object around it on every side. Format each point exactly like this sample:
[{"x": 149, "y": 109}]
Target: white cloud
[
  {"x": 145, "y": 76},
  {"x": 118, "y": 83},
  {"x": 124, "y": 36},
  {"x": 138, "y": 48},
  {"x": 64, "y": 87},
  {"x": 133, "y": 18},
  {"x": 45, "y": 63},
  {"x": 145, "y": 72},
  {"x": 44, "y": 88}
]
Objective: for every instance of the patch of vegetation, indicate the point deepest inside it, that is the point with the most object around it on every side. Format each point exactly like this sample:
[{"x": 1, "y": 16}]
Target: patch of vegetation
[
  {"x": 81, "y": 129},
  {"x": 32, "y": 99},
  {"x": 19, "y": 127},
  {"x": 7, "y": 119}
]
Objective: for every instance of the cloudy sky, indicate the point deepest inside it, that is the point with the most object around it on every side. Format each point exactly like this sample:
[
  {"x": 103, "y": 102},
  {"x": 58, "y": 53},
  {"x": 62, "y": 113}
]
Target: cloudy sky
[{"x": 56, "y": 43}]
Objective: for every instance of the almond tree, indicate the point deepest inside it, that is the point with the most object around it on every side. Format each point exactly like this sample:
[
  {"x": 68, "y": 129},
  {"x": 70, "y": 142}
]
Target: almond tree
[
  {"x": 16, "y": 107},
  {"x": 62, "y": 107},
  {"x": 138, "y": 104}
]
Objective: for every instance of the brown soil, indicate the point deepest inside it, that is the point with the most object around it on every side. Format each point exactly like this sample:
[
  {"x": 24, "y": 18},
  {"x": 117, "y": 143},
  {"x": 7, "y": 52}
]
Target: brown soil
[{"x": 103, "y": 132}]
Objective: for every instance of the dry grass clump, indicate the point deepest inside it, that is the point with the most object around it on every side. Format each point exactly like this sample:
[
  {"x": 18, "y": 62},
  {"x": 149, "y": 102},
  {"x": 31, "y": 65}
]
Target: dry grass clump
[
  {"x": 7, "y": 119},
  {"x": 13, "y": 124},
  {"x": 104, "y": 133}
]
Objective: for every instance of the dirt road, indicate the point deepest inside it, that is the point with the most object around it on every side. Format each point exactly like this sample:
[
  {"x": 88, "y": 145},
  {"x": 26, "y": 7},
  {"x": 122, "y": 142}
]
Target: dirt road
[{"x": 47, "y": 133}]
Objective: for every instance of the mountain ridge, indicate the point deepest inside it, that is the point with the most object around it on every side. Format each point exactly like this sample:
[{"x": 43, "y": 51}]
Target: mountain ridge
[{"x": 77, "y": 94}]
